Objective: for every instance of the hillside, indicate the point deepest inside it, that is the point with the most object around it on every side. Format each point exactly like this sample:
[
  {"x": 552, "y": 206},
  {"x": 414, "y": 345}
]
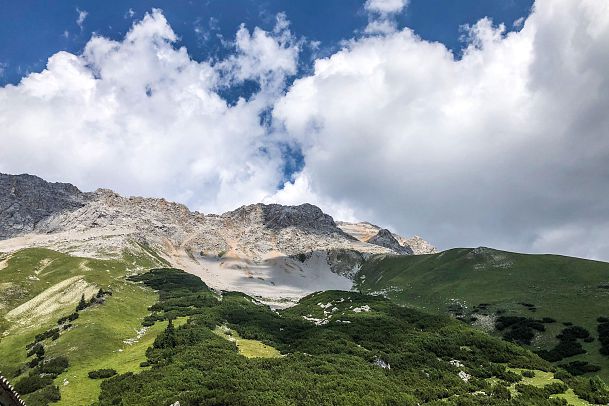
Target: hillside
[
  {"x": 332, "y": 348},
  {"x": 40, "y": 288},
  {"x": 484, "y": 287}
]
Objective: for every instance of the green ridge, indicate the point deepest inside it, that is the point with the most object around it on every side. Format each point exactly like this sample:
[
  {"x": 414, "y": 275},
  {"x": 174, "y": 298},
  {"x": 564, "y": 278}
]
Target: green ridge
[{"x": 563, "y": 288}]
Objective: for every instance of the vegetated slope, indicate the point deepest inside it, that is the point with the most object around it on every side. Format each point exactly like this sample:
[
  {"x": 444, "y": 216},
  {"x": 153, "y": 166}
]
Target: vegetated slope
[
  {"x": 338, "y": 348},
  {"x": 40, "y": 291},
  {"x": 486, "y": 287}
]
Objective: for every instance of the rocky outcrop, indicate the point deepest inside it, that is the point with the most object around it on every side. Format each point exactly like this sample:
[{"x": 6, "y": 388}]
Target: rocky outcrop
[
  {"x": 418, "y": 245},
  {"x": 306, "y": 217},
  {"x": 384, "y": 238},
  {"x": 26, "y": 200},
  {"x": 365, "y": 232}
]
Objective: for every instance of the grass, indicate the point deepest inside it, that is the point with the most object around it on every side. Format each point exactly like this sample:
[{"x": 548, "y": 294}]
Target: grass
[
  {"x": 82, "y": 390},
  {"x": 566, "y": 289},
  {"x": 97, "y": 339},
  {"x": 247, "y": 348},
  {"x": 541, "y": 379},
  {"x": 571, "y": 398}
]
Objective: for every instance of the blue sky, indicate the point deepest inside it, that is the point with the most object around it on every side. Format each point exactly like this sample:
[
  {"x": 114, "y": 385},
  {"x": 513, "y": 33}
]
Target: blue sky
[
  {"x": 445, "y": 119},
  {"x": 31, "y": 31}
]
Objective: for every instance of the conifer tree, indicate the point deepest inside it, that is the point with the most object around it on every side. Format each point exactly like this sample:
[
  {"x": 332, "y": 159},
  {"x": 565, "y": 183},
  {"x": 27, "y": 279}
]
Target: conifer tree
[{"x": 82, "y": 304}]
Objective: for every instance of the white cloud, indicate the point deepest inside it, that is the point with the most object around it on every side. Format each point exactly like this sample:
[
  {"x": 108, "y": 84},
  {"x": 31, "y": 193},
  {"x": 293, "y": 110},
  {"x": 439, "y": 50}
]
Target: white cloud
[
  {"x": 385, "y": 6},
  {"x": 265, "y": 57},
  {"x": 500, "y": 148},
  {"x": 381, "y": 26},
  {"x": 140, "y": 116},
  {"x": 381, "y": 15},
  {"x": 507, "y": 146},
  {"x": 518, "y": 22},
  {"x": 82, "y": 15}
]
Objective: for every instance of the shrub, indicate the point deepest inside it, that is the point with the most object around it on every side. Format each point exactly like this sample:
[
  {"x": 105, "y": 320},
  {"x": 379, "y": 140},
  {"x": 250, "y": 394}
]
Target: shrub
[
  {"x": 44, "y": 396},
  {"x": 82, "y": 304},
  {"x": 32, "y": 383},
  {"x": 580, "y": 367},
  {"x": 47, "y": 334},
  {"x": 102, "y": 373},
  {"x": 54, "y": 366},
  {"x": 567, "y": 346},
  {"x": 518, "y": 329},
  {"x": 603, "y": 334},
  {"x": 528, "y": 374},
  {"x": 37, "y": 349},
  {"x": 65, "y": 319}
]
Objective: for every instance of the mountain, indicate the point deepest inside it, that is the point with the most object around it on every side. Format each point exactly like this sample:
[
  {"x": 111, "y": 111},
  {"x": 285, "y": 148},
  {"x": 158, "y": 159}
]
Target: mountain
[
  {"x": 332, "y": 348},
  {"x": 508, "y": 294},
  {"x": 273, "y": 252},
  {"x": 88, "y": 290}
]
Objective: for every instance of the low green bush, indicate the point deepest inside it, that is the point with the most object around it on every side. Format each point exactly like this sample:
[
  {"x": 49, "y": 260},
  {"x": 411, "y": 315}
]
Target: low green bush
[{"x": 102, "y": 373}]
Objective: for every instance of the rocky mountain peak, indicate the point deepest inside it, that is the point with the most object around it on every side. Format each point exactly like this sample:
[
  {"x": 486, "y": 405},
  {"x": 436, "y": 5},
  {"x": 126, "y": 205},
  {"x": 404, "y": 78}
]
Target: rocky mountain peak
[
  {"x": 365, "y": 231},
  {"x": 385, "y": 238},
  {"x": 276, "y": 217},
  {"x": 25, "y": 200}
]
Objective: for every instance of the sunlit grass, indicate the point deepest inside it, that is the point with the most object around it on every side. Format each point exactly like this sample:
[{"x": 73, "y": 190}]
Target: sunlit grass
[{"x": 247, "y": 348}]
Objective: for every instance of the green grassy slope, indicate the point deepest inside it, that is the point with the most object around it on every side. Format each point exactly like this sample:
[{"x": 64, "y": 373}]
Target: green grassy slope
[
  {"x": 566, "y": 289},
  {"x": 338, "y": 348},
  {"x": 105, "y": 335}
]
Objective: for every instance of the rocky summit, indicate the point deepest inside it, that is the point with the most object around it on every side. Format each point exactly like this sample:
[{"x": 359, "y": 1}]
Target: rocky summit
[
  {"x": 26, "y": 200},
  {"x": 274, "y": 252}
]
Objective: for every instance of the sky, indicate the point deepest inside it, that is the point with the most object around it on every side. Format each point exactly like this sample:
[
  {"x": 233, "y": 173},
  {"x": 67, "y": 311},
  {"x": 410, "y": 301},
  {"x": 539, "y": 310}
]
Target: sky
[{"x": 470, "y": 123}]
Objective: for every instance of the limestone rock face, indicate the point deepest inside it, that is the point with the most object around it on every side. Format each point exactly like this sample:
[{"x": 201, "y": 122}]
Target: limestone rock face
[
  {"x": 418, "y": 245},
  {"x": 366, "y": 232},
  {"x": 384, "y": 238},
  {"x": 25, "y": 200}
]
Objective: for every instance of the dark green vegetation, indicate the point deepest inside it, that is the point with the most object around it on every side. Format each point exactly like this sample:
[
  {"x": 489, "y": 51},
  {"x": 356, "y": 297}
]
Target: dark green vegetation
[
  {"x": 102, "y": 373},
  {"x": 339, "y": 348},
  {"x": 527, "y": 299},
  {"x": 37, "y": 384},
  {"x": 603, "y": 334}
]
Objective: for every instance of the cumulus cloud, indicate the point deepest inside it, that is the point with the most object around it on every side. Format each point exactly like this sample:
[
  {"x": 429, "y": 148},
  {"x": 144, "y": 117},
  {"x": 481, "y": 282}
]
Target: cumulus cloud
[
  {"x": 265, "y": 57},
  {"x": 507, "y": 146},
  {"x": 381, "y": 15},
  {"x": 385, "y": 6},
  {"x": 140, "y": 116}
]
